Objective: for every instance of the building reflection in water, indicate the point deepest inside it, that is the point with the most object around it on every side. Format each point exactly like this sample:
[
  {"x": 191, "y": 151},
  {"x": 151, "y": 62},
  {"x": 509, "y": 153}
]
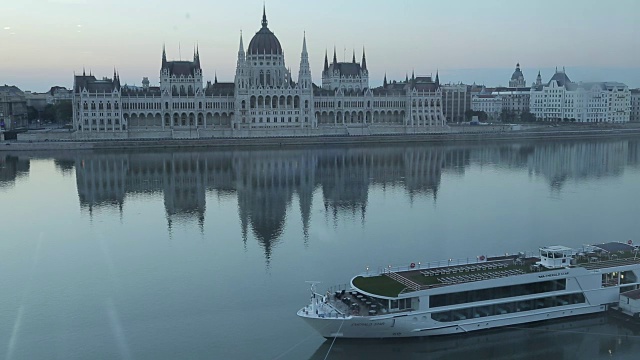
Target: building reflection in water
[
  {"x": 12, "y": 168},
  {"x": 267, "y": 182}
]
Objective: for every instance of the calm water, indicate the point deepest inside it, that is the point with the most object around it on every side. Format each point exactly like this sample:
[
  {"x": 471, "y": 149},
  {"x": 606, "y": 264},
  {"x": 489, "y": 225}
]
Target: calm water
[{"x": 205, "y": 254}]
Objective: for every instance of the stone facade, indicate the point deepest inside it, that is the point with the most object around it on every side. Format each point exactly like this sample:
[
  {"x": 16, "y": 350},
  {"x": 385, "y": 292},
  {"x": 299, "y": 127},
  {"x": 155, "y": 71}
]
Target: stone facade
[
  {"x": 13, "y": 108},
  {"x": 635, "y": 105},
  {"x": 263, "y": 98},
  {"x": 594, "y": 102}
]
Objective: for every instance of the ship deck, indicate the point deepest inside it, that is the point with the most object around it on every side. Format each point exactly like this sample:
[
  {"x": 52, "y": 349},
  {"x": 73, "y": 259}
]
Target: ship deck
[{"x": 392, "y": 284}]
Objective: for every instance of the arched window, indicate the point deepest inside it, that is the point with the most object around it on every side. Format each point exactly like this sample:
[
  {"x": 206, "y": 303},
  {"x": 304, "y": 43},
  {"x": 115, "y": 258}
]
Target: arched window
[
  {"x": 244, "y": 104},
  {"x": 115, "y": 105},
  {"x": 85, "y": 106},
  {"x": 108, "y": 106},
  {"x": 93, "y": 105}
]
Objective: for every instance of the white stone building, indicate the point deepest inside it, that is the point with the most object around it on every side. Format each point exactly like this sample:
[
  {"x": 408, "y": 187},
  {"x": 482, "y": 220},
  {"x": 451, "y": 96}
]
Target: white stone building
[
  {"x": 263, "y": 100},
  {"x": 594, "y": 102},
  {"x": 635, "y": 105},
  {"x": 489, "y": 103}
]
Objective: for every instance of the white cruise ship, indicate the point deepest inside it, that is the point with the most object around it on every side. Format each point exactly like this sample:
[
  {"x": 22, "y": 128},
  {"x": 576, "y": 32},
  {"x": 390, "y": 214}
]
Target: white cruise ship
[{"x": 458, "y": 296}]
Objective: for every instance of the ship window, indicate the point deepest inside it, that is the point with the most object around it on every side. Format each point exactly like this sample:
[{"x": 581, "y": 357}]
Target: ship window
[
  {"x": 508, "y": 308},
  {"x": 496, "y": 293}
]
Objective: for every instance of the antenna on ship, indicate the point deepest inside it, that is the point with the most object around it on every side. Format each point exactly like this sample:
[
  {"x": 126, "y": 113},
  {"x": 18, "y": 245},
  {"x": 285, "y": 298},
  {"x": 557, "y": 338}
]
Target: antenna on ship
[{"x": 313, "y": 285}]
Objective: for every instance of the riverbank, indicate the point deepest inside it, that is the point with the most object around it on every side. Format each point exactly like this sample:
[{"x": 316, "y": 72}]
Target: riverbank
[{"x": 453, "y": 136}]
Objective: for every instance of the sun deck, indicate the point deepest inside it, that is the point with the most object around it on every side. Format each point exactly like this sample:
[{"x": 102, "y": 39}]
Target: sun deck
[{"x": 392, "y": 282}]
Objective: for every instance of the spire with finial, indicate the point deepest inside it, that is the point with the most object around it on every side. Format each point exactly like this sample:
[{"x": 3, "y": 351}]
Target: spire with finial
[
  {"x": 406, "y": 78},
  {"x": 264, "y": 16},
  {"x": 83, "y": 72},
  {"x": 197, "y": 57},
  {"x": 364, "y": 60},
  {"x": 437, "y": 78},
  {"x": 326, "y": 61},
  {"x": 335, "y": 59},
  {"x": 164, "y": 57},
  {"x": 384, "y": 82},
  {"x": 413, "y": 75},
  {"x": 354, "y": 56},
  {"x": 215, "y": 79}
]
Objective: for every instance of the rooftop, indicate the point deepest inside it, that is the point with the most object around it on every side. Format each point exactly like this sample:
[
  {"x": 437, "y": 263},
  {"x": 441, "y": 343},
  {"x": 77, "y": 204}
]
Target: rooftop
[{"x": 392, "y": 282}]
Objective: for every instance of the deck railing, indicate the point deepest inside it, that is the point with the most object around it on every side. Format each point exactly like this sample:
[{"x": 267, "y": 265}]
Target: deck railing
[
  {"x": 481, "y": 259},
  {"x": 403, "y": 280}
]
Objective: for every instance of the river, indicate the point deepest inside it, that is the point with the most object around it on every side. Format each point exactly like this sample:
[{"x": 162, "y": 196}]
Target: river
[{"x": 204, "y": 253}]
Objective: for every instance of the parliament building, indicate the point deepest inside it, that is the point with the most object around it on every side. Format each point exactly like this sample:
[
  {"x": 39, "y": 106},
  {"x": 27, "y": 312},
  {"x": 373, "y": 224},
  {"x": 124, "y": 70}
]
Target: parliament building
[{"x": 264, "y": 100}]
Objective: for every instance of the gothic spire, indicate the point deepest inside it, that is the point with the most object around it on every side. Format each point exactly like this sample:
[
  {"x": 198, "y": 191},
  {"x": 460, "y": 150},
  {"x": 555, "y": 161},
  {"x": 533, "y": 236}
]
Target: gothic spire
[
  {"x": 354, "y": 56},
  {"x": 384, "y": 82},
  {"x": 304, "y": 43},
  {"x": 264, "y": 16},
  {"x": 437, "y": 78},
  {"x": 335, "y": 59},
  {"x": 326, "y": 61},
  {"x": 164, "y": 57},
  {"x": 364, "y": 60}
]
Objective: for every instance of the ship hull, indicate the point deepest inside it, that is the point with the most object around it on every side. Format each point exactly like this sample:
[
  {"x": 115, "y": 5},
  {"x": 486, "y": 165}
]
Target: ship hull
[{"x": 420, "y": 324}]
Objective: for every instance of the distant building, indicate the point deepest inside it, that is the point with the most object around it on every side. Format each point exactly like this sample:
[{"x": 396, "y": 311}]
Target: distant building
[
  {"x": 490, "y": 104},
  {"x": 517, "y": 79},
  {"x": 13, "y": 108},
  {"x": 38, "y": 101},
  {"x": 60, "y": 93},
  {"x": 594, "y": 102},
  {"x": 635, "y": 105},
  {"x": 456, "y": 100}
]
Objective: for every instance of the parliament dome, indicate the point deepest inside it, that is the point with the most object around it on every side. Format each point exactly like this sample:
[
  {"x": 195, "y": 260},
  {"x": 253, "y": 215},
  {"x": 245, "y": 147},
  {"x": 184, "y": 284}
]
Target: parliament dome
[{"x": 264, "y": 41}]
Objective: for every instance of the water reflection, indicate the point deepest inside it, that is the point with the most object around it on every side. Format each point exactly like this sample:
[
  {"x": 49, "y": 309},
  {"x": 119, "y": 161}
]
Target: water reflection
[
  {"x": 267, "y": 182},
  {"x": 12, "y": 168},
  {"x": 560, "y": 339}
]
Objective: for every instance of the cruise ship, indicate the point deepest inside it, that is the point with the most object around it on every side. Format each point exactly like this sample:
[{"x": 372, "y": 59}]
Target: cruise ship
[{"x": 459, "y": 296}]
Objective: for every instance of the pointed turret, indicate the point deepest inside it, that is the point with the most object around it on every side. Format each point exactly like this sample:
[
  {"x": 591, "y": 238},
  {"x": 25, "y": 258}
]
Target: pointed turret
[
  {"x": 215, "y": 79},
  {"x": 164, "y": 57},
  {"x": 413, "y": 75},
  {"x": 264, "y": 16},
  {"x": 326, "y": 61},
  {"x": 304, "y": 43},
  {"x": 304, "y": 75},
  {"x": 83, "y": 72},
  {"x": 197, "y": 57},
  {"x": 384, "y": 82},
  {"x": 406, "y": 78},
  {"x": 364, "y": 60},
  {"x": 335, "y": 59},
  {"x": 354, "y": 56},
  {"x": 437, "y": 78}
]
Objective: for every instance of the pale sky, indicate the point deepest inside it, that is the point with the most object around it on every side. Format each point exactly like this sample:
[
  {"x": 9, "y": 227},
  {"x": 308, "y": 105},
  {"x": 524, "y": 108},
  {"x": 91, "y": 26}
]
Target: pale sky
[{"x": 42, "y": 42}]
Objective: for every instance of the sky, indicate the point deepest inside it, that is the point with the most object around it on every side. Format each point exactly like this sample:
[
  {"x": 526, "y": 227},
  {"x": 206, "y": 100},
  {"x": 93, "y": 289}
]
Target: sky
[{"x": 43, "y": 42}]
